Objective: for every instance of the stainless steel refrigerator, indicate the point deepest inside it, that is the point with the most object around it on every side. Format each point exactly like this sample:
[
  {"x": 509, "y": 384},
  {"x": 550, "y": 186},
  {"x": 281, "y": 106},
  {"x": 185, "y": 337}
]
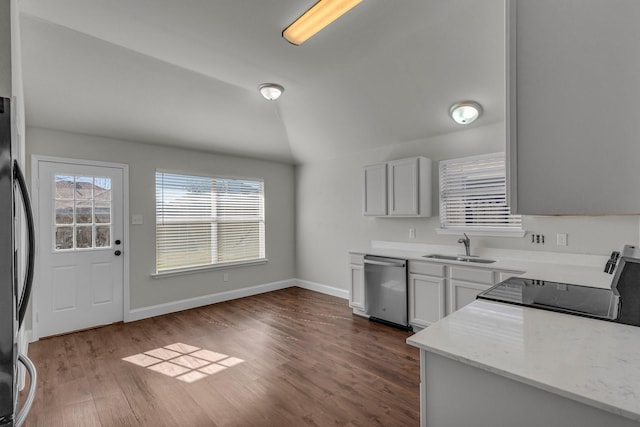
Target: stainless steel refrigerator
[{"x": 14, "y": 295}]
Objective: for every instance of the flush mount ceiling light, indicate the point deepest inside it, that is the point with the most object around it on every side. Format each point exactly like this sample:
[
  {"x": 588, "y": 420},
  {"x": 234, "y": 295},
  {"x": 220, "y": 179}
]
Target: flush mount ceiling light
[
  {"x": 271, "y": 91},
  {"x": 321, "y": 14},
  {"x": 465, "y": 112}
]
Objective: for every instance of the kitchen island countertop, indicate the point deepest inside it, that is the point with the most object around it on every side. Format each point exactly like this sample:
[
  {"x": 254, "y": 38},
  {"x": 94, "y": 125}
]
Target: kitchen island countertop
[{"x": 591, "y": 361}]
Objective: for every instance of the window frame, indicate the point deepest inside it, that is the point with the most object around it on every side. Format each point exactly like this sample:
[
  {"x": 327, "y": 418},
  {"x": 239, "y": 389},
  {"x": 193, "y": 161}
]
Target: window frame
[
  {"x": 479, "y": 230},
  {"x": 220, "y": 265}
]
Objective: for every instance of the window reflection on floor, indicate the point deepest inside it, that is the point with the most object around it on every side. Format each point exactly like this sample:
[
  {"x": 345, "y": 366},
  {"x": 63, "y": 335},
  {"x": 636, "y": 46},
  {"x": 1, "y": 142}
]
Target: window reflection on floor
[{"x": 183, "y": 362}]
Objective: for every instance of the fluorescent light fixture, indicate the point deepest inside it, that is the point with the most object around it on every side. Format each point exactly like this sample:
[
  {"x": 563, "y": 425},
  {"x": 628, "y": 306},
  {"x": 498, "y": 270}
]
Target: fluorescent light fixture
[
  {"x": 321, "y": 14},
  {"x": 271, "y": 91},
  {"x": 465, "y": 112}
]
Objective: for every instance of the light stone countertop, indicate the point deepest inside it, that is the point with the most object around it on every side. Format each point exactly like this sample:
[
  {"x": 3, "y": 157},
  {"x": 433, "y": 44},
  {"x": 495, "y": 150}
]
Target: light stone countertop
[
  {"x": 591, "y": 361},
  {"x": 578, "y": 269}
]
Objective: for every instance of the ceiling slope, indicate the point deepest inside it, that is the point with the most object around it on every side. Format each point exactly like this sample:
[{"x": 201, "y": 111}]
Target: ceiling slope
[{"x": 185, "y": 73}]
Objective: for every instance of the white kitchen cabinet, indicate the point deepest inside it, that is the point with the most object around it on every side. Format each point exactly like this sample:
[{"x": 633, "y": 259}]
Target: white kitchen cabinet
[
  {"x": 426, "y": 293},
  {"x": 426, "y": 300},
  {"x": 356, "y": 289},
  {"x": 374, "y": 192},
  {"x": 465, "y": 283},
  {"x": 399, "y": 188},
  {"x": 409, "y": 183},
  {"x": 463, "y": 293},
  {"x": 574, "y": 85}
]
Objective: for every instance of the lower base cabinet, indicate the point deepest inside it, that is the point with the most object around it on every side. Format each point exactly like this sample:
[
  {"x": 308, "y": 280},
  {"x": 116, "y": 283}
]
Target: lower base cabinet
[
  {"x": 426, "y": 300},
  {"x": 463, "y": 293},
  {"x": 356, "y": 290}
]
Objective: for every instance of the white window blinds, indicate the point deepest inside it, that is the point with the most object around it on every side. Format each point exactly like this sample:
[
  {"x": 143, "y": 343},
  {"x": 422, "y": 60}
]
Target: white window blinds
[
  {"x": 204, "y": 221},
  {"x": 473, "y": 194}
]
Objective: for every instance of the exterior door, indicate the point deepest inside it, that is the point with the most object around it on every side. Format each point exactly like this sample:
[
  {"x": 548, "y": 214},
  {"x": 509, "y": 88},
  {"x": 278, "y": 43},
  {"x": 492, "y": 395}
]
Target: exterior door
[{"x": 80, "y": 234}]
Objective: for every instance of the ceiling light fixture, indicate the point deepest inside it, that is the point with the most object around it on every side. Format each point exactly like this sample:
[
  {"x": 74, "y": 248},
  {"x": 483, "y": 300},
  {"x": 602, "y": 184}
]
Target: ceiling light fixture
[
  {"x": 465, "y": 112},
  {"x": 321, "y": 14},
  {"x": 271, "y": 91}
]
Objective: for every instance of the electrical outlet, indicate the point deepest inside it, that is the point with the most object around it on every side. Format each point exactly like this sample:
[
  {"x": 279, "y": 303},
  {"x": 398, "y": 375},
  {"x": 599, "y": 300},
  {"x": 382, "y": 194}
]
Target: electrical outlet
[
  {"x": 561, "y": 239},
  {"x": 412, "y": 233},
  {"x": 537, "y": 239},
  {"x": 225, "y": 277}
]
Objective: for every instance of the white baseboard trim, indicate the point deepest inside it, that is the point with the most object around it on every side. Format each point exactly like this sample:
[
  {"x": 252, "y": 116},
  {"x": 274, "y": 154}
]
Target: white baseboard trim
[
  {"x": 186, "y": 304},
  {"x": 324, "y": 289}
]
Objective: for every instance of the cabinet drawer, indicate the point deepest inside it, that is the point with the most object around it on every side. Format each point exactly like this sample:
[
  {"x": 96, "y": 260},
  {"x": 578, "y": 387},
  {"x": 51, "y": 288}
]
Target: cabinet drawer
[
  {"x": 504, "y": 275},
  {"x": 357, "y": 259},
  {"x": 476, "y": 275},
  {"x": 427, "y": 268}
]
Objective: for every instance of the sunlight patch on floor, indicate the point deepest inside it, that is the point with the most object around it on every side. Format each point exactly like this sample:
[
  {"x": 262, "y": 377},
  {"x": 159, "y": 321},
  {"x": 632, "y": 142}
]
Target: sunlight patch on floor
[{"x": 183, "y": 362}]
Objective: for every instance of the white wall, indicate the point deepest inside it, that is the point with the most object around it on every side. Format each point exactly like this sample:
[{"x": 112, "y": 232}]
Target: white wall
[
  {"x": 330, "y": 221},
  {"x": 143, "y": 159}
]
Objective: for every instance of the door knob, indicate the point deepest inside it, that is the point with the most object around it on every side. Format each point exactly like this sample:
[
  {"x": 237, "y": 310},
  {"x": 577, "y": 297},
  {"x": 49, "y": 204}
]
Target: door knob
[{"x": 118, "y": 253}]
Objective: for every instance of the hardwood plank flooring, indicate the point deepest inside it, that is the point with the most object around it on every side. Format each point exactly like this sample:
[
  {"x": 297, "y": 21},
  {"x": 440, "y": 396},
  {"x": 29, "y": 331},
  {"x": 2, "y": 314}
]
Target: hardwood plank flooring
[{"x": 286, "y": 358}]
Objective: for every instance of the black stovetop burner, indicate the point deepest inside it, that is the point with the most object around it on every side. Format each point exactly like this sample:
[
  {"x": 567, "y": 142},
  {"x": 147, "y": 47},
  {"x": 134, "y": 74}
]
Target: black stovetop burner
[
  {"x": 620, "y": 304},
  {"x": 562, "y": 297}
]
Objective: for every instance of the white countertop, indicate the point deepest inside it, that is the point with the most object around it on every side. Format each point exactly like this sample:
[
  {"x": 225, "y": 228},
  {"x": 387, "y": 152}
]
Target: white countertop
[
  {"x": 578, "y": 269},
  {"x": 591, "y": 361}
]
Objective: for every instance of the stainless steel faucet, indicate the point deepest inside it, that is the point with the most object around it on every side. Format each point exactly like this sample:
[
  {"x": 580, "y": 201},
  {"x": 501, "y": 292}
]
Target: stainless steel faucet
[{"x": 467, "y": 244}]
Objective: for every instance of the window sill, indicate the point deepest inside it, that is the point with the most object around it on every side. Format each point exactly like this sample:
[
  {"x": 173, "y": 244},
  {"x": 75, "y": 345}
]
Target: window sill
[
  {"x": 191, "y": 270},
  {"x": 480, "y": 232}
]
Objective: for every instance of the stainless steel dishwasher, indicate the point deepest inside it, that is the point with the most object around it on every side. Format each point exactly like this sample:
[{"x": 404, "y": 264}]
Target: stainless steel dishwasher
[{"x": 385, "y": 282}]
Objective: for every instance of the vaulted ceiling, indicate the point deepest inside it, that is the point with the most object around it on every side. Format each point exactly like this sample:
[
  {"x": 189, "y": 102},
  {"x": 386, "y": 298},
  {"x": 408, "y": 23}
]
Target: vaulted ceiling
[{"x": 185, "y": 72}]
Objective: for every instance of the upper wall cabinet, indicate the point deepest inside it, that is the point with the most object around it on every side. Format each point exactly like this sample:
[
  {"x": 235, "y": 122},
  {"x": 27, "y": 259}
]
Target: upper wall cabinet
[
  {"x": 400, "y": 188},
  {"x": 374, "y": 193},
  {"x": 573, "y": 115}
]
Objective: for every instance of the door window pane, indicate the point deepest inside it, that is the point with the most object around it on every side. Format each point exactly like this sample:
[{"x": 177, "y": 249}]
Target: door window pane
[
  {"x": 83, "y": 212},
  {"x": 83, "y": 188},
  {"x": 102, "y": 189},
  {"x": 64, "y": 238},
  {"x": 102, "y": 212},
  {"x": 64, "y": 185},
  {"x": 103, "y": 236},
  {"x": 84, "y": 236},
  {"x": 64, "y": 211}
]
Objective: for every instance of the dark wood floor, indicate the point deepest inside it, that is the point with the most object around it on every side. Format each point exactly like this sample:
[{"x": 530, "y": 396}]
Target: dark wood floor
[{"x": 286, "y": 358}]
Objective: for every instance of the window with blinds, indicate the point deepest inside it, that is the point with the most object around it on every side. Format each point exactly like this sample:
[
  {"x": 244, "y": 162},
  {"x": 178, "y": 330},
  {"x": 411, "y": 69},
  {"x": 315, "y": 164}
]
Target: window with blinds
[
  {"x": 473, "y": 195},
  {"x": 205, "y": 221}
]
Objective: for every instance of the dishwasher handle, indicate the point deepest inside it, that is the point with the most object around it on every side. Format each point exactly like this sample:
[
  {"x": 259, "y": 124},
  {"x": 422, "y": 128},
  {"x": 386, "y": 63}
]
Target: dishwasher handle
[{"x": 384, "y": 263}]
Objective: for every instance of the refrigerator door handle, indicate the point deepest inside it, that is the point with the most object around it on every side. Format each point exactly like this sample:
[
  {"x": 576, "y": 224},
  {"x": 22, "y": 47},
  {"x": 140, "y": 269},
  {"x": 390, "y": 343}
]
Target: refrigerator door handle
[
  {"x": 31, "y": 395},
  {"x": 28, "y": 279}
]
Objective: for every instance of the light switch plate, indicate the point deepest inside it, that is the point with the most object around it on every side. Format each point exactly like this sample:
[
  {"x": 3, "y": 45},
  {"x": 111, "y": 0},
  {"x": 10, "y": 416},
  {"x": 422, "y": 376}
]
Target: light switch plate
[{"x": 136, "y": 220}]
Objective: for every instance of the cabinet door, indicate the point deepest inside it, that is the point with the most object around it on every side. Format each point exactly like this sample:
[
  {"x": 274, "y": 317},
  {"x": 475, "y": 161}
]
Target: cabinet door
[
  {"x": 463, "y": 293},
  {"x": 356, "y": 294},
  {"x": 404, "y": 187},
  {"x": 574, "y": 117},
  {"x": 426, "y": 300},
  {"x": 374, "y": 202}
]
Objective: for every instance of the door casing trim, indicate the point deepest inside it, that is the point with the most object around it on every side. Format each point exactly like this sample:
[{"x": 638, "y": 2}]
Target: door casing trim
[{"x": 35, "y": 193}]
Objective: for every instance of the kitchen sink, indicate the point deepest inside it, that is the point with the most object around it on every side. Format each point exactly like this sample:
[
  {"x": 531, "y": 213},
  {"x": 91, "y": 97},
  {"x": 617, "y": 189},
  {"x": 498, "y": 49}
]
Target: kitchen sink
[{"x": 460, "y": 258}]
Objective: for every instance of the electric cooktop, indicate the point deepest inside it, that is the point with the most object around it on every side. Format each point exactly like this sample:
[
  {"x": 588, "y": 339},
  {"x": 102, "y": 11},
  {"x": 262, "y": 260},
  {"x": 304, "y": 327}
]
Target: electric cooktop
[
  {"x": 561, "y": 297},
  {"x": 620, "y": 304}
]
